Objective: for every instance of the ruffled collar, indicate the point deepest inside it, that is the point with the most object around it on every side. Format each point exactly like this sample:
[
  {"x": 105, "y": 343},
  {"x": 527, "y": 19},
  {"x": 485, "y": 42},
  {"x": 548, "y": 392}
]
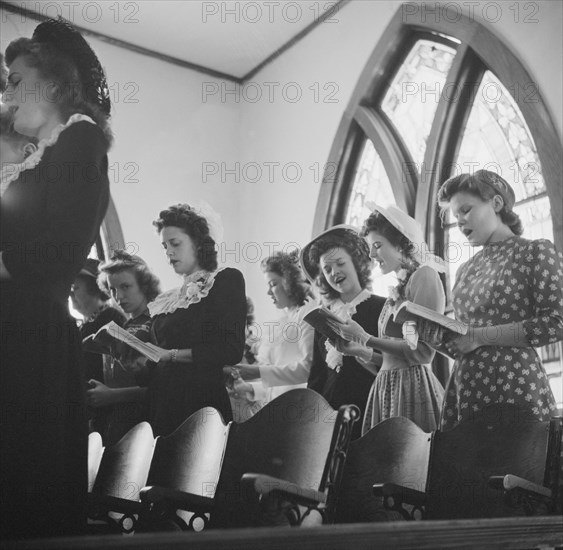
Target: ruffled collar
[
  {"x": 11, "y": 172},
  {"x": 348, "y": 309},
  {"x": 345, "y": 310},
  {"x": 195, "y": 288}
]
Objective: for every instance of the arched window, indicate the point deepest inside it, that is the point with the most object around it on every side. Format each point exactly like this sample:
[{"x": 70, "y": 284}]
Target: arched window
[{"x": 436, "y": 99}]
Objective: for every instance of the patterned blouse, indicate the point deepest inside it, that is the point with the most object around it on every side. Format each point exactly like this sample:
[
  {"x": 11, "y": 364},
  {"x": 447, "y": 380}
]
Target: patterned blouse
[{"x": 513, "y": 281}]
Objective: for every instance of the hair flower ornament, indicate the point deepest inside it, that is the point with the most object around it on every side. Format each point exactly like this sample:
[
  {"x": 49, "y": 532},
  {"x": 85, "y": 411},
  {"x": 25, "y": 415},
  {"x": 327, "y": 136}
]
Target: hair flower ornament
[{"x": 213, "y": 219}]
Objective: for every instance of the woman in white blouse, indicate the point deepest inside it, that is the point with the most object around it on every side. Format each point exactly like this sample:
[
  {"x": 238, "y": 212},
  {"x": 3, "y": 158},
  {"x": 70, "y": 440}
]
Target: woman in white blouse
[{"x": 285, "y": 351}]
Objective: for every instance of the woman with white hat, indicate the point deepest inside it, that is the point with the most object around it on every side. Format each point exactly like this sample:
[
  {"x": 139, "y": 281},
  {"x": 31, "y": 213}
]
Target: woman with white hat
[
  {"x": 338, "y": 262},
  {"x": 405, "y": 385}
]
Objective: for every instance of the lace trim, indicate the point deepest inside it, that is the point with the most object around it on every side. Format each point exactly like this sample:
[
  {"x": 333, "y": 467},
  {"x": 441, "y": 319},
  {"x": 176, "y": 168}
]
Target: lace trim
[
  {"x": 345, "y": 310},
  {"x": 11, "y": 172},
  {"x": 194, "y": 289},
  {"x": 348, "y": 309}
]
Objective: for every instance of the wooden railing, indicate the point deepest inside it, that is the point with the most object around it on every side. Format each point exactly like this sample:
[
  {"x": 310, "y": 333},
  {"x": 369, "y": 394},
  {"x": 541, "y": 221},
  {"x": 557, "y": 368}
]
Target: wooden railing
[{"x": 515, "y": 533}]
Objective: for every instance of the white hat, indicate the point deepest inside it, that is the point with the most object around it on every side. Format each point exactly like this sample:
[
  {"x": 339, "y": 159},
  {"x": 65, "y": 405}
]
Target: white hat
[{"x": 412, "y": 230}]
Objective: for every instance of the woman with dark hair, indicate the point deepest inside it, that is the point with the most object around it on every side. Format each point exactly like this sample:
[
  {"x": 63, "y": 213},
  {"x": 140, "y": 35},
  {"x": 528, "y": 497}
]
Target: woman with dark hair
[
  {"x": 338, "y": 261},
  {"x": 198, "y": 327},
  {"x": 510, "y": 294},
  {"x": 51, "y": 214},
  {"x": 94, "y": 305},
  {"x": 286, "y": 349},
  {"x": 405, "y": 385},
  {"x": 120, "y": 396}
]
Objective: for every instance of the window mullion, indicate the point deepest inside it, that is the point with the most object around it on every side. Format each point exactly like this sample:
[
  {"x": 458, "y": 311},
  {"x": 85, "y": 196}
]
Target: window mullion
[
  {"x": 445, "y": 136},
  {"x": 394, "y": 154}
]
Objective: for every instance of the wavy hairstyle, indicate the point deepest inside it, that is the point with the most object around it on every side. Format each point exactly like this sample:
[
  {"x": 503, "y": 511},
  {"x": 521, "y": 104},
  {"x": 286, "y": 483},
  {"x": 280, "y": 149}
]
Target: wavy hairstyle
[
  {"x": 358, "y": 249},
  {"x": 481, "y": 184},
  {"x": 121, "y": 261},
  {"x": 287, "y": 267},
  {"x": 59, "y": 67},
  {"x": 184, "y": 217}
]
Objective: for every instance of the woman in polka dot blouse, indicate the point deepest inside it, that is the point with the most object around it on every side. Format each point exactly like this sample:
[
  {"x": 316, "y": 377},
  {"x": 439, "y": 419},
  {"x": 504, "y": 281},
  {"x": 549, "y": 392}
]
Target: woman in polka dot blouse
[{"x": 510, "y": 294}]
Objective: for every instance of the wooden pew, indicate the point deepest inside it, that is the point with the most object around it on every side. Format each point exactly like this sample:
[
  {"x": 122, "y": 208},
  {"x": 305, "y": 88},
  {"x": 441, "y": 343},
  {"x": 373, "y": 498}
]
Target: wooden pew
[
  {"x": 184, "y": 473},
  {"x": 395, "y": 451},
  {"x": 278, "y": 466},
  {"x": 469, "y": 465},
  {"x": 114, "y": 500},
  {"x": 95, "y": 452}
]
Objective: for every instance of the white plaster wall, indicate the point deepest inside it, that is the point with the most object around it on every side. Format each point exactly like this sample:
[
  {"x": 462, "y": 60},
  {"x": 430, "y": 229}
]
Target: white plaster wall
[
  {"x": 164, "y": 132},
  {"x": 173, "y": 130}
]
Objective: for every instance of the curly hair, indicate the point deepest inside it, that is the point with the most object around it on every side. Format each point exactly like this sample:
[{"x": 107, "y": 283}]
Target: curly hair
[
  {"x": 478, "y": 185},
  {"x": 184, "y": 217},
  {"x": 287, "y": 267},
  {"x": 59, "y": 67},
  {"x": 121, "y": 261},
  {"x": 358, "y": 249}
]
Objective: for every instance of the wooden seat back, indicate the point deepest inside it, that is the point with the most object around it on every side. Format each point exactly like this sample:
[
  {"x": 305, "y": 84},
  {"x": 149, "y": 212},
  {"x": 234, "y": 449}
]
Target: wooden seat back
[
  {"x": 297, "y": 438},
  {"x": 190, "y": 458},
  {"x": 95, "y": 452},
  {"x": 497, "y": 441},
  {"x": 124, "y": 467},
  {"x": 394, "y": 451}
]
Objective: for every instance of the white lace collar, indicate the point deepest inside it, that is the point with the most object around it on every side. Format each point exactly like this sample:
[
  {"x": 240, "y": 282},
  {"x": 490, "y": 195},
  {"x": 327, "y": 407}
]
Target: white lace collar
[
  {"x": 345, "y": 310},
  {"x": 348, "y": 309},
  {"x": 10, "y": 172},
  {"x": 195, "y": 287}
]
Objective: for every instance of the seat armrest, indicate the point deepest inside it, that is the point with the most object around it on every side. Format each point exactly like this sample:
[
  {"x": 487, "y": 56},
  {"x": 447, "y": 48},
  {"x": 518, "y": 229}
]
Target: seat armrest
[
  {"x": 177, "y": 499},
  {"x": 399, "y": 493},
  {"x": 104, "y": 503},
  {"x": 268, "y": 485},
  {"x": 511, "y": 482}
]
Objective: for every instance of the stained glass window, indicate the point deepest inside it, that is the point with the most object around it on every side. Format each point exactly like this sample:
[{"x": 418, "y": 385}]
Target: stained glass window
[
  {"x": 371, "y": 185},
  {"x": 497, "y": 138},
  {"x": 412, "y": 98},
  {"x": 468, "y": 131}
]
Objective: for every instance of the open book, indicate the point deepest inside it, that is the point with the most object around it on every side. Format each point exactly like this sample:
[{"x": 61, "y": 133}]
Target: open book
[
  {"x": 409, "y": 311},
  {"x": 108, "y": 334},
  {"x": 431, "y": 327},
  {"x": 318, "y": 318}
]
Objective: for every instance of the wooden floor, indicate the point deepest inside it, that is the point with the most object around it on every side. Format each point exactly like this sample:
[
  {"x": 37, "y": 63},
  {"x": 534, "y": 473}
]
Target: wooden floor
[{"x": 517, "y": 533}]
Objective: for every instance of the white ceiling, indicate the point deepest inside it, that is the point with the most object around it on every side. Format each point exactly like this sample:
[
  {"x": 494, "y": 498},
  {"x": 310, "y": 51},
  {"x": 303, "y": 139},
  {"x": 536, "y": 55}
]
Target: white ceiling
[{"x": 231, "y": 37}]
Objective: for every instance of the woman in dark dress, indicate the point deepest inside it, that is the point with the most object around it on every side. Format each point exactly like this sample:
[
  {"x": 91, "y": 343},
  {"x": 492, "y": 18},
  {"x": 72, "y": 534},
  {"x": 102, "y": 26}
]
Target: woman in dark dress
[
  {"x": 338, "y": 261},
  {"x": 51, "y": 215},
  {"x": 198, "y": 327}
]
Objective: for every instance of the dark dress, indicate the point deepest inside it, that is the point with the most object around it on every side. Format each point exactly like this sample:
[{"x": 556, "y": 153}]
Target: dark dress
[
  {"x": 214, "y": 329},
  {"x": 351, "y": 385},
  {"x": 121, "y": 372},
  {"x": 93, "y": 362},
  {"x": 51, "y": 216}
]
